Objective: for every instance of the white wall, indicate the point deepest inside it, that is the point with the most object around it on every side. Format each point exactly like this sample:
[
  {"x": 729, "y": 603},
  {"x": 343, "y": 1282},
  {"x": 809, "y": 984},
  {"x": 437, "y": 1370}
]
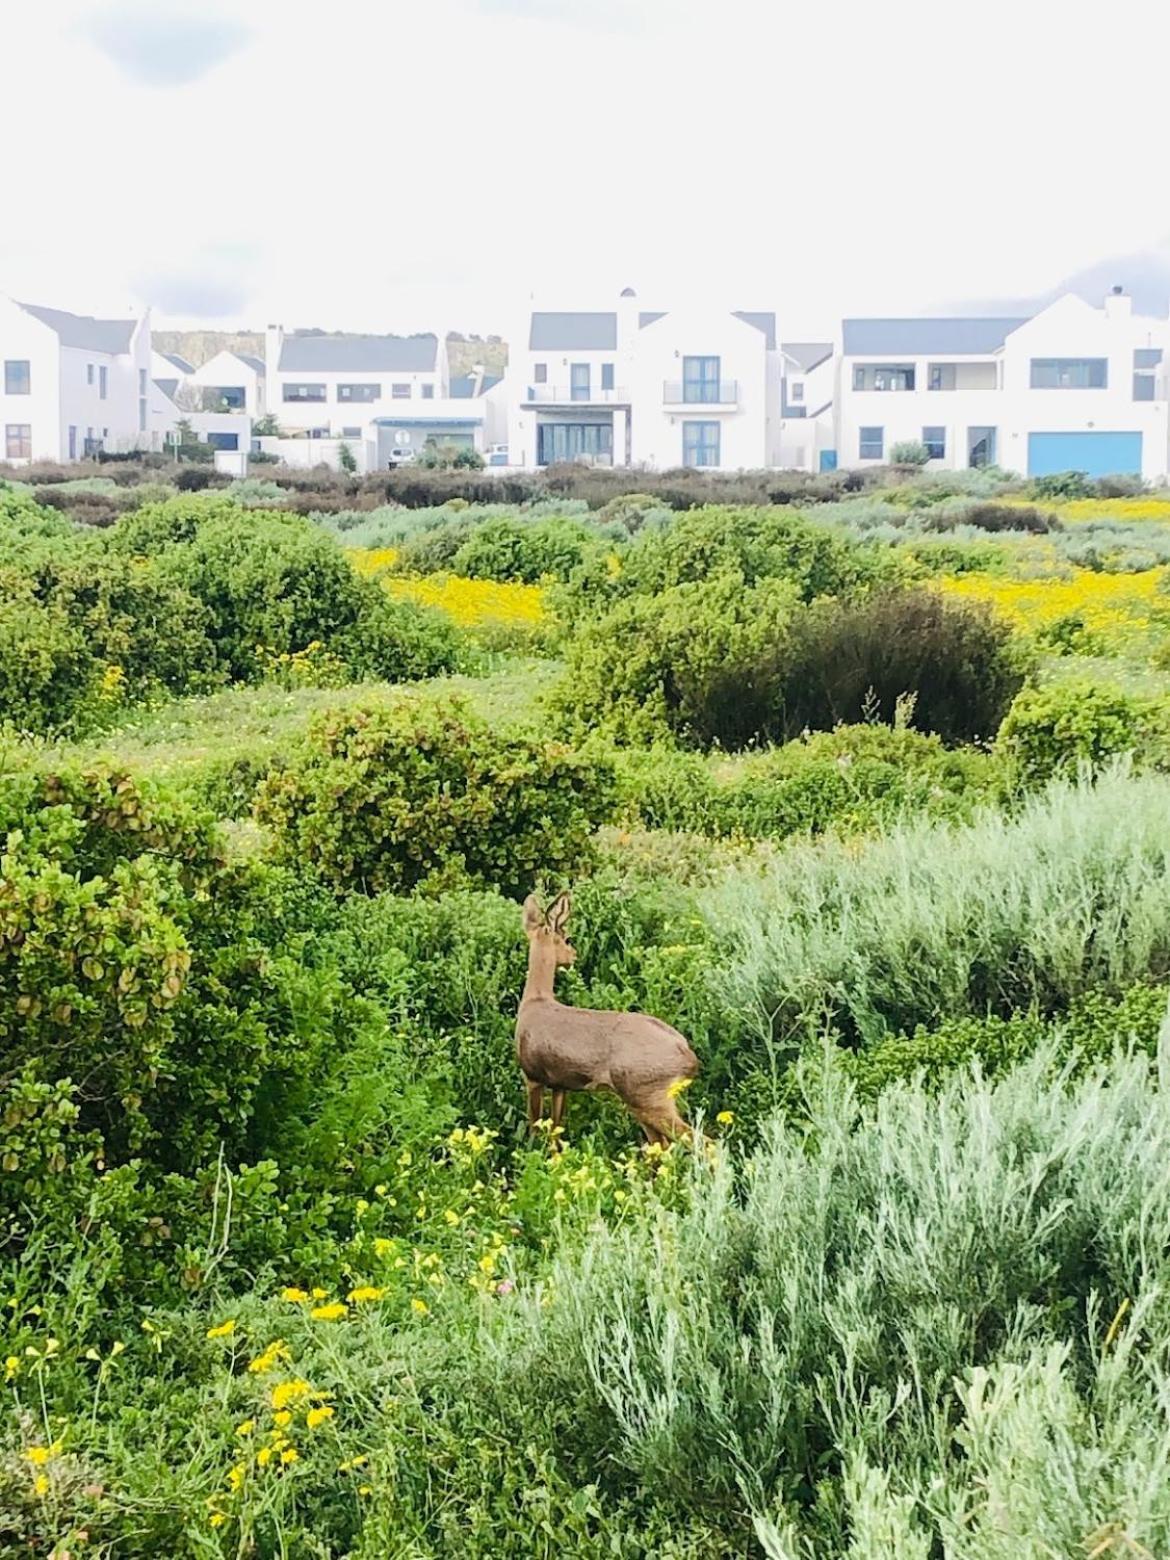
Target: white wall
[
  {"x": 306, "y": 453},
  {"x": 743, "y": 356},
  {"x": 25, "y": 339},
  {"x": 226, "y": 369}
]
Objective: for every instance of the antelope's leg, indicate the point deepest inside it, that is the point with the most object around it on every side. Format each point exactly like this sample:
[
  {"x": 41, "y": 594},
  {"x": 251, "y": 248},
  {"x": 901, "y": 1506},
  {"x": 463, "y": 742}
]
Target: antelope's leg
[
  {"x": 558, "y": 1106},
  {"x": 535, "y": 1103}
]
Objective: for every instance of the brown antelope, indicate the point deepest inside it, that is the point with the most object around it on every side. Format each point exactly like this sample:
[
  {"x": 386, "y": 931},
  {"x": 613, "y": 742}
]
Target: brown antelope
[{"x": 641, "y": 1059}]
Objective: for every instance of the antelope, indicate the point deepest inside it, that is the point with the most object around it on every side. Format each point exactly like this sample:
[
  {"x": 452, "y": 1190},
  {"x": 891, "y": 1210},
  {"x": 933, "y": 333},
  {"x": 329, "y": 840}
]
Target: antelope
[{"x": 641, "y": 1059}]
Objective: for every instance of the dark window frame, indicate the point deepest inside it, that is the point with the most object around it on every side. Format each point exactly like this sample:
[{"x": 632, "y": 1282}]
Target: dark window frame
[
  {"x": 701, "y": 439},
  {"x": 865, "y": 445},
  {"x": 20, "y": 435},
  {"x": 936, "y": 447},
  {"x": 370, "y": 391},
  {"x": 294, "y": 391},
  {"x": 700, "y": 381}
]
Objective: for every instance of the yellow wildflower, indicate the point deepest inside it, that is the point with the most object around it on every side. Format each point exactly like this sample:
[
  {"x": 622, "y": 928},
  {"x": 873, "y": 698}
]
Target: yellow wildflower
[
  {"x": 282, "y": 1417},
  {"x": 364, "y": 1489},
  {"x": 287, "y": 1392},
  {"x": 235, "y": 1476},
  {"x": 289, "y": 1455},
  {"x": 41, "y": 1484},
  {"x": 11, "y": 1367},
  {"x": 318, "y": 1416},
  {"x": 270, "y": 1359},
  {"x": 217, "y": 1519},
  {"x": 246, "y": 1427},
  {"x": 451, "y": 1217},
  {"x": 39, "y": 1455},
  {"x": 725, "y": 1118},
  {"x": 420, "y": 1307},
  {"x": 224, "y": 1330},
  {"x": 290, "y": 1292},
  {"x": 383, "y": 1247},
  {"x": 365, "y": 1292},
  {"x": 329, "y": 1313},
  {"x": 320, "y": 1294},
  {"x": 264, "y": 1456}
]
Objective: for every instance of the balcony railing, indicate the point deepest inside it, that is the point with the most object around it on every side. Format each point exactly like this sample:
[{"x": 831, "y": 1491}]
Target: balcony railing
[
  {"x": 563, "y": 395},
  {"x": 725, "y": 393}
]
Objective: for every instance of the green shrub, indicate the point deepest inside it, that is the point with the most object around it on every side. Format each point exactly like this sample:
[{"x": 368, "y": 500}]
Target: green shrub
[
  {"x": 388, "y": 798},
  {"x": 702, "y": 661},
  {"x": 856, "y": 658},
  {"x": 47, "y": 670},
  {"x": 1054, "y": 730},
  {"x": 525, "y": 551},
  {"x": 1063, "y": 484},
  {"x": 911, "y": 452}
]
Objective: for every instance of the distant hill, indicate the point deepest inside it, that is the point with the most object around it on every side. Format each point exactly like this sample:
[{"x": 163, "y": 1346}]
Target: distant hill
[
  {"x": 1144, "y": 275},
  {"x": 197, "y": 346}
]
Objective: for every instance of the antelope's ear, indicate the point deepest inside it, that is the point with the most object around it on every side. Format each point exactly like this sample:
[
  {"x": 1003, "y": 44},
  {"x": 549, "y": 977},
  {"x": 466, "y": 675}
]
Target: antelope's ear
[
  {"x": 558, "y": 913},
  {"x": 533, "y": 915}
]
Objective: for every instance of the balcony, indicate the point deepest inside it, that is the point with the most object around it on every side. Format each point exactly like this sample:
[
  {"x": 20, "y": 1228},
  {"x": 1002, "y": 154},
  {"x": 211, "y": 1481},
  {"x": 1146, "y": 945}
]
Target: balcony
[
  {"x": 575, "y": 395},
  {"x": 707, "y": 395}
]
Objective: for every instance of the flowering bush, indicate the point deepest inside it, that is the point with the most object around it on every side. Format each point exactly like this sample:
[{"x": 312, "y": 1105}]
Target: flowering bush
[{"x": 1098, "y": 613}]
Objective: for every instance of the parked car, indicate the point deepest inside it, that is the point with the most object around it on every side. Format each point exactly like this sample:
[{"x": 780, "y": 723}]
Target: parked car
[
  {"x": 496, "y": 455},
  {"x": 401, "y": 455}
]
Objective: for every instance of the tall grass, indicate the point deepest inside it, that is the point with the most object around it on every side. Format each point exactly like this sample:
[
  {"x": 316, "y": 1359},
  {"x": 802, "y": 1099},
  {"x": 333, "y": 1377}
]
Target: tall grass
[{"x": 934, "y": 921}]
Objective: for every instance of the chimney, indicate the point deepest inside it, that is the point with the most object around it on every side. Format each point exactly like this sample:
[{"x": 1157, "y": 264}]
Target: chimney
[
  {"x": 1118, "y": 303},
  {"x": 627, "y": 321},
  {"x": 273, "y": 339}
]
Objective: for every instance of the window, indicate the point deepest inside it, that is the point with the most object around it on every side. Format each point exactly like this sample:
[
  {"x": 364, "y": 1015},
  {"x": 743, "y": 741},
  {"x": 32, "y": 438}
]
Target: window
[
  {"x": 981, "y": 446},
  {"x": 940, "y": 376},
  {"x": 18, "y": 441},
  {"x": 572, "y": 441},
  {"x": 607, "y": 376},
  {"x": 298, "y": 392},
  {"x": 142, "y": 414},
  {"x": 224, "y": 441},
  {"x": 579, "y": 382},
  {"x": 1147, "y": 357},
  {"x": 701, "y": 443},
  {"x": 935, "y": 440},
  {"x": 700, "y": 383},
  {"x": 400, "y": 392},
  {"x": 796, "y": 391},
  {"x": 883, "y": 376},
  {"x": 351, "y": 433},
  {"x": 141, "y": 381},
  {"x": 871, "y": 444},
  {"x": 89, "y": 373},
  {"x": 231, "y": 398},
  {"x": 1143, "y": 387},
  {"x": 540, "y": 373},
  {"x": 103, "y": 381},
  {"x": 1069, "y": 373},
  {"x": 359, "y": 392},
  {"x": 428, "y": 392},
  {"x": 72, "y": 442},
  {"x": 17, "y": 376}
]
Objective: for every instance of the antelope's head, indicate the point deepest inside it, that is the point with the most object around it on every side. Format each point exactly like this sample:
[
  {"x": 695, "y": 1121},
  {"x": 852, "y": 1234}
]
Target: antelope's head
[{"x": 546, "y": 928}]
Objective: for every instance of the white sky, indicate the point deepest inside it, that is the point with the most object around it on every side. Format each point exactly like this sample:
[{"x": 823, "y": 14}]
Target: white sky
[{"x": 428, "y": 164}]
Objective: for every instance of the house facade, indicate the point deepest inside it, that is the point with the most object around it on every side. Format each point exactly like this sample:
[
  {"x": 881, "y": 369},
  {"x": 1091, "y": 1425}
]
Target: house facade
[
  {"x": 232, "y": 382},
  {"x": 624, "y": 386},
  {"x": 1071, "y": 388},
  {"x": 72, "y": 385}
]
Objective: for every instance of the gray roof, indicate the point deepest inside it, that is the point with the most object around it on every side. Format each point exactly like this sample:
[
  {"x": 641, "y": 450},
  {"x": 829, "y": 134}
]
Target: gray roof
[
  {"x": 808, "y": 355},
  {"x": 572, "y": 333},
  {"x": 82, "y": 330},
  {"x": 178, "y": 362},
  {"x": 359, "y": 354},
  {"x": 167, "y": 386},
  {"x": 254, "y": 363},
  {"x": 463, "y": 386},
  {"x": 763, "y": 322},
  {"x": 914, "y": 337}
]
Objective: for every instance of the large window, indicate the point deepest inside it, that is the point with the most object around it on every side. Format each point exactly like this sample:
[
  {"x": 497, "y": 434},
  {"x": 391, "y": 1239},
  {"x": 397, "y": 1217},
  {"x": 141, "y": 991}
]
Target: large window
[
  {"x": 607, "y": 376},
  {"x": 1143, "y": 387},
  {"x": 700, "y": 380},
  {"x": 571, "y": 441},
  {"x": 103, "y": 381},
  {"x": 233, "y": 397},
  {"x": 300, "y": 392},
  {"x": 940, "y": 376},
  {"x": 1069, "y": 373},
  {"x": 17, "y": 376},
  {"x": 579, "y": 388},
  {"x": 883, "y": 376},
  {"x": 1147, "y": 357},
  {"x": 701, "y": 443},
  {"x": 400, "y": 392},
  {"x": 359, "y": 392},
  {"x": 871, "y": 443},
  {"x": 18, "y": 441},
  {"x": 540, "y": 373},
  {"x": 224, "y": 441},
  {"x": 935, "y": 440}
]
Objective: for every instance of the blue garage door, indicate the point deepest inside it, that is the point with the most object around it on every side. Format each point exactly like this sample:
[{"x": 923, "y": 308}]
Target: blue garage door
[{"x": 1096, "y": 454}]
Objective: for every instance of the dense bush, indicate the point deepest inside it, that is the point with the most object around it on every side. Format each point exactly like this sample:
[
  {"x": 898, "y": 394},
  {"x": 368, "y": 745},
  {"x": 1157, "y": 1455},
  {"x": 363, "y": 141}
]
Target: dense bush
[
  {"x": 388, "y": 798},
  {"x": 1056, "y": 729},
  {"x": 961, "y": 665},
  {"x": 46, "y": 668},
  {"x": 528, "y": 552},
  {"x": 1062, "y": 484}
]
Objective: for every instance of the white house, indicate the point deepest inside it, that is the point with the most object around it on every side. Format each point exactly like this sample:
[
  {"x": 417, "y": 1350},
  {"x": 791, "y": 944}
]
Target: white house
[
  {"x": 1072, "y": 388},
  {"x": 808, "y": 375},
  {"x": 232, "y": 382},
  {"x": 72, "y": 385},
  {"x": 169, "y": 371},
  {"x": 386, "y": 397},
  {"x": 623, "y": 386}
]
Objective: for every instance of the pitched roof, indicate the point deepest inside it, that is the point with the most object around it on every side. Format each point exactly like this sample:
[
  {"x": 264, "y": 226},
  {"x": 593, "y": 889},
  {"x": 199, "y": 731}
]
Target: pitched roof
[
  {"x": 463, "y": 386},
  {"x": 572, "y": 333},
  {"x": 253, "y": 362},
  {"x": 874, "y": 338},
  {"x": 765, "y": 322},
  {"x": 359, "y": 354},
  {"x": 167, "y": 386},
  {"x": 178, "y": 362},
  {"x": 808, "y": 355},
  {"x": 648, "y": 316},
  {"x": 82, "y": 330}
]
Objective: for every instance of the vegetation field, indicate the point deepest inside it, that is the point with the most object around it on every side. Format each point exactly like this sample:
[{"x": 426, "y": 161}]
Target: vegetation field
[{"x": 863, "y": 785}]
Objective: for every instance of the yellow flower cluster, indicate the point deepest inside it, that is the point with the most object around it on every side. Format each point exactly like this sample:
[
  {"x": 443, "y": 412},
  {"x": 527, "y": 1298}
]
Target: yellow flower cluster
[
  {"x": 1114, "y": 608},
  {"x": 1112, "y": 508},
  {"x": 472, "y": 603},
  {"x": 372, "y": 560},
  {"x": 286, "y": 1400}
]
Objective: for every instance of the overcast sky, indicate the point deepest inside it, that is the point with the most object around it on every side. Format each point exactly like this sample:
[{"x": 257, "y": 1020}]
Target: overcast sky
[{"x": 414, "y": 164}]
